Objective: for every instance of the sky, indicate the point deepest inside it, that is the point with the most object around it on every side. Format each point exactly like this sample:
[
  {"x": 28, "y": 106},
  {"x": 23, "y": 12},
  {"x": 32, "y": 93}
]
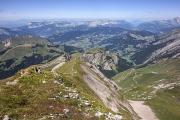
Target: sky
[{"x": 89, "y": 9}]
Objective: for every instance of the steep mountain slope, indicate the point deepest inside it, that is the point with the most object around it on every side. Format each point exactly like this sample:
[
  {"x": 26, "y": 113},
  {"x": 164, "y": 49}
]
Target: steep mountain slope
[
  {"x": 164, "y": 47},
  {"x": 106, "y": 90},
  {"x": 157, "y": 84}
]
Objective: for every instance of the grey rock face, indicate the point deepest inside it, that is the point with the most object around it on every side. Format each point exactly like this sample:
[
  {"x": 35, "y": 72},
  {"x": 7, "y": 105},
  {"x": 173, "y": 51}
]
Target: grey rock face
[
  {"x": 102, "y": 59},
  {"x": 170, "y": 47},
  {"x": 107, "y": 62}
]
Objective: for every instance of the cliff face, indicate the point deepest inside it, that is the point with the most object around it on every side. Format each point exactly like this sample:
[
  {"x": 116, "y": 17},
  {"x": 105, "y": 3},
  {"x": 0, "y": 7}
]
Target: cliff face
[
  {"x": 109, "y": 63},
  {"x": 170, "y": 47},
  {"x": 166, "y": 46},
  {"x": 103, "y": 60}
]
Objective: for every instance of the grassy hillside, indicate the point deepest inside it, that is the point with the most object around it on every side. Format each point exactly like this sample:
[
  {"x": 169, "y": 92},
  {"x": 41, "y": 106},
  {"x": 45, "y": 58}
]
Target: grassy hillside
[
  {"x": 41, "y": 95},
  {"x": 31, "y": 95},
  {"x": 157, "y": 84}
]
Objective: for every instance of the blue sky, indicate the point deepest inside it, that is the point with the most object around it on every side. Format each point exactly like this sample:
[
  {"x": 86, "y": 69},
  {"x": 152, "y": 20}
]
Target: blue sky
[{"x": 86, "y": 9}]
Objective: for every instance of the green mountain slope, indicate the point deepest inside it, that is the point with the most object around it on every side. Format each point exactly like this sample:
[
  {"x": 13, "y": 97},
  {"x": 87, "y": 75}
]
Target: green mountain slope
[
  {"x": 55, "y": 91},
  {"x": 157, "y": 84},
  {"x": 24, "y": 51}
]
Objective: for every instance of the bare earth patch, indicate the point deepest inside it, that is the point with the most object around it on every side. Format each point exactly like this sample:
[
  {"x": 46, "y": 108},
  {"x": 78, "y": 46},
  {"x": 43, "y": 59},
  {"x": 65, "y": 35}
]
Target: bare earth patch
[{"x": 143, "y": 110}]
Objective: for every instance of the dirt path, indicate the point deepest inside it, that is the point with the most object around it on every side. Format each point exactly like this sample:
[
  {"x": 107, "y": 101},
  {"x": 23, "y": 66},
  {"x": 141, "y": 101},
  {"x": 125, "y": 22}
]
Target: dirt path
[
  {"x": 56, "y": 63},
  {"x": 53, "y": 62},
  {"x": 142, "y": 110},
  {"x": 57, "y": 67},
  {"x": 60, "y": 61}
]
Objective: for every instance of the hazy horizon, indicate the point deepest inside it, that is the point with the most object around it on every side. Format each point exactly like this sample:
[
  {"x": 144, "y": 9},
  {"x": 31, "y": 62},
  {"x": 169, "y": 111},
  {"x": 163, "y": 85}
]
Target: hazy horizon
[{"x": 84, "y": 9}]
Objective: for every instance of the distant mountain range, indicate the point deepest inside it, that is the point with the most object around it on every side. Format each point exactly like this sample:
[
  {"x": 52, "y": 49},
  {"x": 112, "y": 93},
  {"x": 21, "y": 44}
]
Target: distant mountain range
[
  {"x": 160, "y": 26},
  {"x": 152, "y": 26},
  {"x": 140, "y": 44}
]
